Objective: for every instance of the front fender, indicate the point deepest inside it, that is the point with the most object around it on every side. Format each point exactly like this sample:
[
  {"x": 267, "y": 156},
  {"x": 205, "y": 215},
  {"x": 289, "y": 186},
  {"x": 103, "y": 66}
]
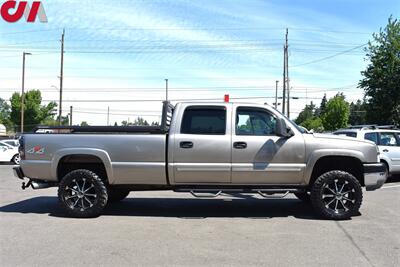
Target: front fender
[
  {"x": 101, "y": 154},
  {"x": 320, "y": 153}
]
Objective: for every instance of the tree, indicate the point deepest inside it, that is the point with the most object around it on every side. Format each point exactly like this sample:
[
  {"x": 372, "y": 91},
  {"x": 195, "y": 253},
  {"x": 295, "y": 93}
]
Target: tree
[
  {"x": 314, "y": 123},
  {"x": 84, "y": 123},
  {"x": 357, "y": 113},
  {"x": 320, "y": 111},
  {"x": 140, "y": 122},
  {"x": 306, "y": 114},
  {"x": 5, "y": 111},
  {"x": 382, "y": 75},
  {"x": 34, "y": 112},
  {"x": 336, "y": 114}
]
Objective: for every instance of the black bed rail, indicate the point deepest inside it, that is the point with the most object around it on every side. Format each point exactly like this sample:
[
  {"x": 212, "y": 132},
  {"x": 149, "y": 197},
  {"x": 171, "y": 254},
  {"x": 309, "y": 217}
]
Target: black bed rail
[{"x": 166, "y": 118}]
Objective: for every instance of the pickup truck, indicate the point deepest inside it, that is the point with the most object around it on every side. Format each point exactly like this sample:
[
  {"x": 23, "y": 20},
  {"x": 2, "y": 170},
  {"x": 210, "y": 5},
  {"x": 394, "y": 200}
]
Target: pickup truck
[{"x": 205, "y": 149}]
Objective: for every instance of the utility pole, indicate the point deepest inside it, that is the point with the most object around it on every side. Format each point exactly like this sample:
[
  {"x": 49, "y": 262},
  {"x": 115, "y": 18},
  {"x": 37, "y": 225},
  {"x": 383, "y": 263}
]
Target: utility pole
[
  {"x": 108, "y": 116},
  {"x": 287, "y": 78},
  {"x": 285, "y": 50},
  {"x": 276, "y": 94},
  {"x": 61, "y": 77},
  {"x": 23, "y": 90},
  {"x": 166, "y": 89},
  {"x": 70, "y": 115}
]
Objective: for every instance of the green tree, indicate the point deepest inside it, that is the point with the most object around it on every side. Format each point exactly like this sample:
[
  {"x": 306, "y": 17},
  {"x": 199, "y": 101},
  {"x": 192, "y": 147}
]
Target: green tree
[
  {"x": 5, "y": 111},
  {"x": 357, "y": 113},
  {"x": 140, "y": 122},
  {"x": 34, "y": 112},
  {"x": 314, "y": 123},
  {"x": 336, "y": 114},
  {"x": 382, "y": 75},
  {"x": 306, "y": 114},
  {"x": 320, "y": 111},
  {"x": 84, "y": 123}
]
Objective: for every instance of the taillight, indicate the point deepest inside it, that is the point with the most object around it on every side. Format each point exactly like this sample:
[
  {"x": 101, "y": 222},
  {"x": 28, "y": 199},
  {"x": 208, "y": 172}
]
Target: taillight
[{"x": 21, "y": 148}]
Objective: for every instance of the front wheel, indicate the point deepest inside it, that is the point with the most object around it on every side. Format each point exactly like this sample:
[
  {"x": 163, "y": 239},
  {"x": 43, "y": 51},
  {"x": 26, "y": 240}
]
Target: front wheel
[
  {"x": 336, "y": 195},
  {"x": 82, "y": 194}
]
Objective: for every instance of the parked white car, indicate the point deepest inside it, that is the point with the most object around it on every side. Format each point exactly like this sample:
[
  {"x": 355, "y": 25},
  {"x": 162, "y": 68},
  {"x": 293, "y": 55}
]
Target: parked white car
[
  {"x": 9, "y": 153},
  {"x": 387, "y": 140},
  {"x": 11, "y": 142}
]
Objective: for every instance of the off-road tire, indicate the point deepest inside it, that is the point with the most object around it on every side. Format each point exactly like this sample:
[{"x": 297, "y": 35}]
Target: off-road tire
[
  {"x": 305, "y": 197},
  {"x": 94, "y": 199},
  {"x": 115, "y": 195},
  {"x": 340, "y": 206}
]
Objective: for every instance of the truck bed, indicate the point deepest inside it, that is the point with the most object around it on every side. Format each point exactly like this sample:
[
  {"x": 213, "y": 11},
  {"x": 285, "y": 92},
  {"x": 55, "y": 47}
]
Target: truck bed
[
  {"x": 166, "y": 117},
  {"x": 102, "y": 129}
]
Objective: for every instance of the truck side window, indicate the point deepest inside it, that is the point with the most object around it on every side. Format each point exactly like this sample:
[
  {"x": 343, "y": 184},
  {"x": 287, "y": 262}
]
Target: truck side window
[
  {"x": 372, "y": 137},
  {"x": 250, "y": 121},
  {"x": 204, "y": 120}
]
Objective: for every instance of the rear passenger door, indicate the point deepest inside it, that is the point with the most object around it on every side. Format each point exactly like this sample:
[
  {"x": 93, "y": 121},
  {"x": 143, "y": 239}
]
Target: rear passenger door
[
  {"x": 202, "y": 145},
  {"x": 389, "y": 144}
]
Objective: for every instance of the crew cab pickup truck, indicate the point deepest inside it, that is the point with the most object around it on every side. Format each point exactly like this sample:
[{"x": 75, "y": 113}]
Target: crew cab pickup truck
[{"x": 202, "y": 148}]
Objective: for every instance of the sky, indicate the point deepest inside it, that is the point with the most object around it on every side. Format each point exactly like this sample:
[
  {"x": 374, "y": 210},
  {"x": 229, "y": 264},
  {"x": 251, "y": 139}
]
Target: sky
[{"x": 119, "y": 53}]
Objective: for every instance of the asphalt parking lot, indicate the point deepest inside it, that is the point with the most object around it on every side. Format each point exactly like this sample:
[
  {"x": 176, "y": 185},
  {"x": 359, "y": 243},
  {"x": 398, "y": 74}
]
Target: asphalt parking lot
[{"x": 165, "y": 228}]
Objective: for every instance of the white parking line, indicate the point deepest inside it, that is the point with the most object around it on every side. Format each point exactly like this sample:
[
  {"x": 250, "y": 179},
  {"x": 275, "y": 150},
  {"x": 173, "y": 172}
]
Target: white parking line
[{"x": 391, "y": 186}]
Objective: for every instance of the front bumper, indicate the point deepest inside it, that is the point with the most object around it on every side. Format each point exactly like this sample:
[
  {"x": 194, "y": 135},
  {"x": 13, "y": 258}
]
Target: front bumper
[
  {"x": 18, "y": 173},
  {"x": 375, "y": 175}
]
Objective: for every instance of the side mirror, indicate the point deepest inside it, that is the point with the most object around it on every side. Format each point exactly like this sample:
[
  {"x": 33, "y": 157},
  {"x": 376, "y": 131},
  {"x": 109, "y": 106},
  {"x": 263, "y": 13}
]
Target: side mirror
[{"x": 281, "y": 129}]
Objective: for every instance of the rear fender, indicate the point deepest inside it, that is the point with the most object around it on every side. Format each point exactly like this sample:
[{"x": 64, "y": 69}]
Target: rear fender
[{"x": 101, "y": 154}]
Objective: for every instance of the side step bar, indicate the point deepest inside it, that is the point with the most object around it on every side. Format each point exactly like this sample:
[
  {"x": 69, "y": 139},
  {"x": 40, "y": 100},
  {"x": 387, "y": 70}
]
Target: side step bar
[{"x": 264, "y": 192}]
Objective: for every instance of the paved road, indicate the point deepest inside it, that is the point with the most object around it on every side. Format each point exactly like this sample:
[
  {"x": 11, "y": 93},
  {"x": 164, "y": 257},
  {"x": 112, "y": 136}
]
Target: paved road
[{"x": 164, "y": 228}]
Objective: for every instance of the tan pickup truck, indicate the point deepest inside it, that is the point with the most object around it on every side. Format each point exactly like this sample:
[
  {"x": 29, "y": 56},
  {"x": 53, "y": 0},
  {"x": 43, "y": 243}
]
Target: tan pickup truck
[{"x": 201, "y": 148}]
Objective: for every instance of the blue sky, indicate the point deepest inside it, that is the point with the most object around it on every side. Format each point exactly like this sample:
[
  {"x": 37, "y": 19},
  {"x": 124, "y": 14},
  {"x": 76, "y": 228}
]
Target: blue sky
[{"x": 123, "y": 50}]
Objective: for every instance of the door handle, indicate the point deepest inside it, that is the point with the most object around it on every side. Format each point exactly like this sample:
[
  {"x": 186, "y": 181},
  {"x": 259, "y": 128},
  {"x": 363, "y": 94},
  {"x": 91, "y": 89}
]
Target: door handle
[
  {"x": 385, "y": 150},
  {"x": 240, "y": 145},
  {"x": 186, "y": 144}
]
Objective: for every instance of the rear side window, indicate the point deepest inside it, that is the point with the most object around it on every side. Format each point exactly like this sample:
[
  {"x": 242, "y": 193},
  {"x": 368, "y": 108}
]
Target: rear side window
[
  {"x": 204, "y": 120},
  {"x": 388, "y": 139},
  {"x": 372, "y": 137}
]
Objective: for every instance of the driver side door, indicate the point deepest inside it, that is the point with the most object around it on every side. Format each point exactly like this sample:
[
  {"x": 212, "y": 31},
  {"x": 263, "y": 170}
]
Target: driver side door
[{"x": 259, "y": 156}]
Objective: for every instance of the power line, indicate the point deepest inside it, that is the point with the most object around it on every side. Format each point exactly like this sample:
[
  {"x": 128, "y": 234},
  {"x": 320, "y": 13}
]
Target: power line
[
  {"x": 175, "y": 100},
  {"x": 329, "y": 57}
]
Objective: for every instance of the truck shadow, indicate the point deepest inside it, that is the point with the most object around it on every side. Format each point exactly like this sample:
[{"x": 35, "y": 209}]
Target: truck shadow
[{"x": 179, "y": 208}]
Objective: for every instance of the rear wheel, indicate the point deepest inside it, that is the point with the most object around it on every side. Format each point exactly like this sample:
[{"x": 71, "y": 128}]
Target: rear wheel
[
  {"x": 115, "y": 195},
  {"x": 82, "y": 194},
  {"x": 336, "y": 195},
  {"x": 16, "y": 159}
]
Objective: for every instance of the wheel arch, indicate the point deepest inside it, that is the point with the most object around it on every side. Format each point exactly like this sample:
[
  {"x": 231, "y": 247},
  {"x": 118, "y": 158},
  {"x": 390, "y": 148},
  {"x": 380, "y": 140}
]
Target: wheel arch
[
  {"x": 81, "y": 156},
  {"x": 349, "y": 161},
  {"x": 385, "y": 160}
]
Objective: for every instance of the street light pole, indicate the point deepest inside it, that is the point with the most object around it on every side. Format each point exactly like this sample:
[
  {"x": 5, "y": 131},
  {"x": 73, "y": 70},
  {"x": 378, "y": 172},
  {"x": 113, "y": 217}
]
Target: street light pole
[
  {"x": 276, "y": 94},
  {"x": 166, "y": 89},
  {"x": 61, "y": 77},
  {"x": 23, "y": 90}
]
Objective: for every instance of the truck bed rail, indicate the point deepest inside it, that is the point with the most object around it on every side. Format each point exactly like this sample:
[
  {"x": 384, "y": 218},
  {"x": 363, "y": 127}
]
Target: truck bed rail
[{"x": 166, "y": 118}]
